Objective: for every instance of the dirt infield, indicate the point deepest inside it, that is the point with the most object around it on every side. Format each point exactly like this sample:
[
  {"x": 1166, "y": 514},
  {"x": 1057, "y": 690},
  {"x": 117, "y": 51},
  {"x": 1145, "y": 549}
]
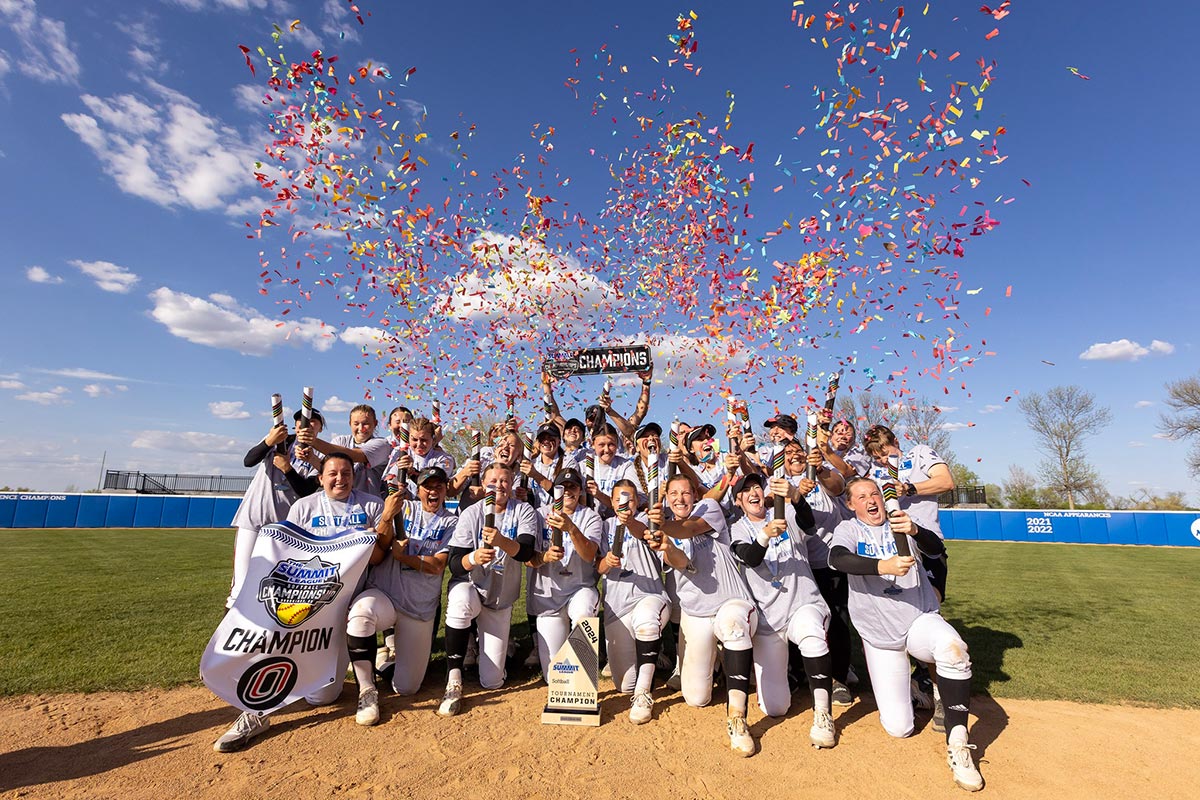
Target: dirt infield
[{"x": 156, "y": 744}]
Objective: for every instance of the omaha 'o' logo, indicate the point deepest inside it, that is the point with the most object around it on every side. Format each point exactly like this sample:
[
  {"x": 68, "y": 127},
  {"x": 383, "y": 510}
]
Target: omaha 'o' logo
[
  {"x": 1196, "y": 528},
  {"x": 267, "y": 683}
]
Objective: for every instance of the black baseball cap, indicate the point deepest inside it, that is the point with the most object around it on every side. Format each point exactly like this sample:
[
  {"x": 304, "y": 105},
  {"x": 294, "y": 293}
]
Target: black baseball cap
[
  {"x": 548, "y": 429},
  {"x": 431, "y": 474},
  {"x": 568, "y": 475},
  {"x": 315, "y": 415},
  {"x": 575, "y": 423},
  {"x": 744, "y": 482},
  {"x": 785, "y": 421},
  {"x": 649, "y": 429},
  {"x": 704, "y": 431}
]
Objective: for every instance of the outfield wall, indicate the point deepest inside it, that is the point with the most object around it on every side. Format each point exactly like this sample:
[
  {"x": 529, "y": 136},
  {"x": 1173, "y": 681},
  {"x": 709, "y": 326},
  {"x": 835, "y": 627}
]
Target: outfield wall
[{"x": 1178, "y": 528}]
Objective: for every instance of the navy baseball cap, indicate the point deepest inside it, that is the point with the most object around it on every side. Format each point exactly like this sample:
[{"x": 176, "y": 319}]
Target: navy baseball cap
[
  {"x": 649, "y": 429},
  {"x": 568, "y": 475},
  {"x": 431, "y": 474},
  {"x": 548, "y": 429},
  {"x": 785, "y": 421},
  {"x": 747, "y": 480},
  {"x": 704, "y": 431},
  {"x": 575, "y": 423},
  {"x": 315, "y": 415}
]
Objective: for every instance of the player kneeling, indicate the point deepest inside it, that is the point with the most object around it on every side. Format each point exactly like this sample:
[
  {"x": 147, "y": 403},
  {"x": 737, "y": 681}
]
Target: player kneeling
[
  {"x": 402, "y": 592},
  {"x": 715, "y": 604},
  {"x": 895, "y": 611},
  {"x": 485, "y": 579},
  {"x": 791, "y": 608},
  {"x": 635, "y": 602}
]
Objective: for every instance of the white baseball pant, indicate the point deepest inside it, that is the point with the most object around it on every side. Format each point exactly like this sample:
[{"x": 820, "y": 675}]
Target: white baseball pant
[
  {"x": 733, "y": 626},
  {"x": 373, "y": 611},
  {"x": 644, "y": 623},
  {"x": 463, "y": 604},
  {"x": 807, "y": 630}
]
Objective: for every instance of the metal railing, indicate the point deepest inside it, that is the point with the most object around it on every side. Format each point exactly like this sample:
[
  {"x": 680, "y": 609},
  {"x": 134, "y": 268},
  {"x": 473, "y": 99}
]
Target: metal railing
[
  {"x": 161, "y": 483},
  {"x": 963, "y": 495}
]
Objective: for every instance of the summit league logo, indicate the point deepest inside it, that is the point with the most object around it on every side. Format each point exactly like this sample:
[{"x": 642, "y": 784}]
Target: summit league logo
[{"x": 296, "y": 590}]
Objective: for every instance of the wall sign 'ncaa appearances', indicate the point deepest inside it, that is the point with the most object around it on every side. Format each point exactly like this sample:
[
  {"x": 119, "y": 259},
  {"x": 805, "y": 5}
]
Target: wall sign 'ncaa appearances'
[
  {"x": 1196, "y": 528},
  {"x": 265, "y": 684},
  {"x": 598, "y": 361}
]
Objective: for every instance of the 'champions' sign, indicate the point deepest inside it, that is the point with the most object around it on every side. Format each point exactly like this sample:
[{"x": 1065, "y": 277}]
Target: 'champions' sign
[{"x": 598, "y": 361}]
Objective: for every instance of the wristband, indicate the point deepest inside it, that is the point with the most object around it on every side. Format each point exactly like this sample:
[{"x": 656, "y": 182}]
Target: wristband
[
  {"x": 762, "y": 538},
  {"x": 645, "y": 383},
  {"x": 909, "y": 489},
  {"x": 471, "y": 559}
]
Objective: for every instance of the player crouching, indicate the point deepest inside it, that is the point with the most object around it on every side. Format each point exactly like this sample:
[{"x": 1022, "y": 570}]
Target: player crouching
[{"x": 896, "y": 612}]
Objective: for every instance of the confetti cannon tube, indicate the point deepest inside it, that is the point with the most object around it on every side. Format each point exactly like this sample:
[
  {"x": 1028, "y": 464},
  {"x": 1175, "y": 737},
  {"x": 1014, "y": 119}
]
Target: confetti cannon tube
[
  {"x": 306, "y": 403},
  {"x": 810, "y": 436},
  {"x": 744, "y": 412},
  {"x": 618, "y": 545},
  {"x": 891, "y": 502},
  {"x": 476, "y": 455},
  {"x": 435, "y": 415},
  {"x": 402, "y": 446},
  {"x": 489, "y": 512},
  {"x": 777, "y": 461},
  {"x": 589, "y": 466},
  {"x": 832, "y": 390},
  {"x": 556, "y": 534},
  {"x": 652, "y": 487},
  {"x": 277, "y": 421},
  {"x": 671, "y": 467}
]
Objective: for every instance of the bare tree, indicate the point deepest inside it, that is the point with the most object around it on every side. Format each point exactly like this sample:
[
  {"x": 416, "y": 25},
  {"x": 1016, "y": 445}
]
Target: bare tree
[
  {"x": 1183, "y": 396},
  {"x": 922, "y": 423},
  {"x": 865, "y": 408},
  {"x": 1061, "y": 420}
]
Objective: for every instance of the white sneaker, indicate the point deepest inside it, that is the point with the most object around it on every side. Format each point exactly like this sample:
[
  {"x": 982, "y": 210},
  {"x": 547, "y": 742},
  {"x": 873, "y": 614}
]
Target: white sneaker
[
  {"x": 451, "y": 700},
  {"x": 966, "y": 774},
  {"x": 640, "y": 711},
  {"x": 384, "y": 656},
  {"x": 245, "y": 728},
  {"x": 740, "y": 740},
  {"x": 606, "y": 670},
  {"x": 675, "y": 681},
  {"x": 822, "y": 734},
  {"x": 368, "y": 707}
]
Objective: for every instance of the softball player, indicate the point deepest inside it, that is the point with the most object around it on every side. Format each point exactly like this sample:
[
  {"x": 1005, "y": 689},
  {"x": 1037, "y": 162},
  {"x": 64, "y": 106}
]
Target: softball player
[
  {"x": 562, "y": 580},
  {"x": 485, "y": 582},
  {"x": 268, "y": 497},
  {"x": 422, "y": 453},
  {"x": 790, "y": 607},
  {"x": 636, "y": 608},
  {"x": 338, "y": 508},
  {"x": 896, "y": 612},
  {"x": 402, "y": 592},
  {"x": 609, "y": 468},
  {"x": 369, "y": 452},
  {"x": 715, "y": 603}
]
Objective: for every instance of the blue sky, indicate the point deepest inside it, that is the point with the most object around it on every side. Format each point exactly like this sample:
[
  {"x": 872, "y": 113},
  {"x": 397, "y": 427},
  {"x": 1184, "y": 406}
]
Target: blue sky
[{"x": 136, "y": 324}]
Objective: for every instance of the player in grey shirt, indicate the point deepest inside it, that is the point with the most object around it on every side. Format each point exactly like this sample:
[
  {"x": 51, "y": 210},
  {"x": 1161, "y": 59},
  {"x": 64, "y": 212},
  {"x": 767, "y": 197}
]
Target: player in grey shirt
[
  {"x": 485, "y": 579},
  {"x": 403, "y": 591},
  {"x": 562, "y": 580},
  {"x": 369, "y": 452},
  {"x": 789, "y": 604},
  {"x": 715, "y": 604},
  {"x": 895, "y": 610},
  {"x": 635, "y": 602}
]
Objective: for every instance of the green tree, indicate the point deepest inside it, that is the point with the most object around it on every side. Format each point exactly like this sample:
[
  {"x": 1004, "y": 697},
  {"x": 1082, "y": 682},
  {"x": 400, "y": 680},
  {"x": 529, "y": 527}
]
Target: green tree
[{"x": 1061, "y": 420}]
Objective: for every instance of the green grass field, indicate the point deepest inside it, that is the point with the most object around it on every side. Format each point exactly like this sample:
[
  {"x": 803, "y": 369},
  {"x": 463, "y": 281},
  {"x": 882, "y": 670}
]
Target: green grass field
[{"x": 89, "y": 610}]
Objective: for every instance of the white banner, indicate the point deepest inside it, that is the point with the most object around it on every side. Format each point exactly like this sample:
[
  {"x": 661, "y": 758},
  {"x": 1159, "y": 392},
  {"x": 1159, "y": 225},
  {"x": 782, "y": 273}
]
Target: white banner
[{"x": 282, "y": 638}]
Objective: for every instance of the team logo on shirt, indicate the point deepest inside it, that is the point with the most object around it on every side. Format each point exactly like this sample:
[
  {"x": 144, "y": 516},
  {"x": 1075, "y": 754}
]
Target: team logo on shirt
[{"x": 296, "y": 590}]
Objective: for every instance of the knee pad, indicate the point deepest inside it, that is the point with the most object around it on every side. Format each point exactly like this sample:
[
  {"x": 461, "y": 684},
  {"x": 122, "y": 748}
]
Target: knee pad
[
  {"x": 734, "y": 624},
  {"x": 952, "y": 657}
]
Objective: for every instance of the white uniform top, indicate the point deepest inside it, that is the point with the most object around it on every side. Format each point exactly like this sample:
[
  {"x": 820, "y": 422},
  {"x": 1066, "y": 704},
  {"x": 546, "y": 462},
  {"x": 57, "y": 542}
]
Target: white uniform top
[
  {"x": 640, "y": 573},
  {"x": 498, "y": 583},
  {"x": 323, "y": 517},
  {"x": 716, "y": 578},
  {"x": 783, "y": 582},
  {"x": 827, "y": 514},
  {"x": 412, "y": 592},
  {"x": 607, "y": 475},
  {"x": 269, "y": 495},
  {"x": 856, "y": 458},
  {"x": 710, "y": 476},
  {"x": 915, "y": 466},
  {"x": 377, "y": 450},
  {"x": 560, "y": 462},
  {"x": 436, "y": 457},
  {"x": 641, "y": 476},
  {"x": 883, "y": 607},
  {"x": 549, "y": 588}
]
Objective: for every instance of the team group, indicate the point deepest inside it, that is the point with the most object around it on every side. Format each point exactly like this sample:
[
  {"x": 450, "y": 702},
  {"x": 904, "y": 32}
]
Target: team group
[{"x": 759, "y": 557}]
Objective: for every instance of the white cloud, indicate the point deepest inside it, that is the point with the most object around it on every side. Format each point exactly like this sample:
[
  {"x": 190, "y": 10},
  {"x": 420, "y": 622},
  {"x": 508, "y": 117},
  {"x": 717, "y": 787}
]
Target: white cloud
[
  {"x": 338, "y": 21},
  {"x": 46, "y": 53},
  {"x": 220, "y": 321},
  {"x": 146, "y": 46},
  {"x": 1125, "y": 350},
  {"x": 1165, "y": 436},
  {"x": 336, "y": 405},
  {"x": 52, "y": 397},
  {"x": 13, "y": 385},
  {"x": 946, "y": 409},
  {"x": 991, "y": 408},
  {"x": 206, "y": 5},
  {"x": 84, "y": 374},
  {"x": 363, "y": 336},
  {"x": 956, "y": 426},
  {"x": 690, "y": 360},
  {"x": 1143, "y": 404},
  {"x": 167, "y": 150},
  {"x": 228, "y": 409},
  {"x": 1137, "y": 444},
  {"x": 40, "y": 275},
  {"x": 521, "y": 290},
  {"x": 249, "y": 97},
  {"x": 99, "y": 389},
  {"x": 108, "y": 276},
  {"x": 188, "y": 441}
]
